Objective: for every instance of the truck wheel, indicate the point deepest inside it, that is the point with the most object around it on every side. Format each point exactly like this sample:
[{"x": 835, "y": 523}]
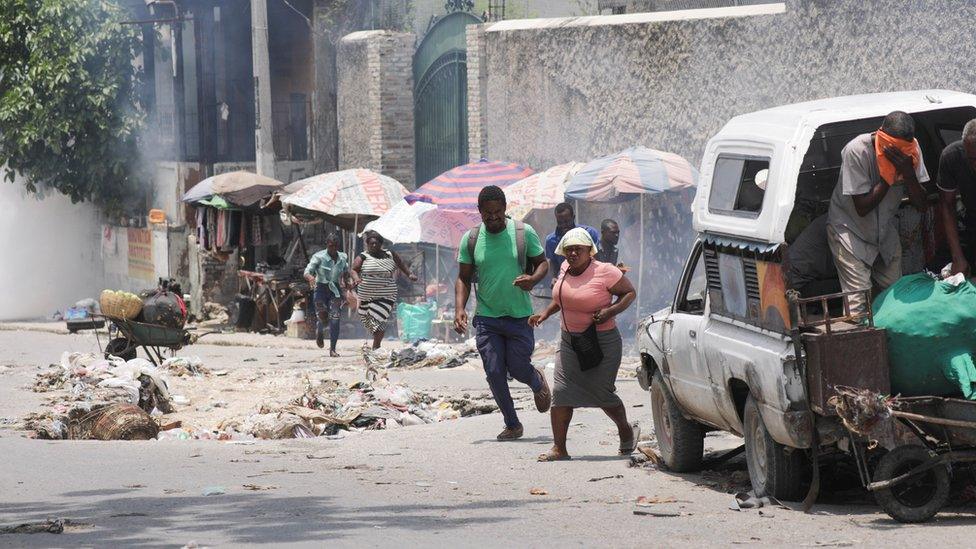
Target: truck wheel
[
  {"x": 774, "y": 469},
  {"x": 681, "y": 440},
  {"x": 919, "y": 498},
  {"x": 118, "y": 347}
]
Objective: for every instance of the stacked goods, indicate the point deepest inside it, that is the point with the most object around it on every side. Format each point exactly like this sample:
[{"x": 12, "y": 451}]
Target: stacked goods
[
  {"x": 120, "y": 304},
  {"x": 164, "y": 308},
  {"x": 930, "y": 326}
]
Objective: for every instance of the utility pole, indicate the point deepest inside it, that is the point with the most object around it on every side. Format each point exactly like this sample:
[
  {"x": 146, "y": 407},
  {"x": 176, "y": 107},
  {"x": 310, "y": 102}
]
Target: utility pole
[{"x": 263, "y": 137}]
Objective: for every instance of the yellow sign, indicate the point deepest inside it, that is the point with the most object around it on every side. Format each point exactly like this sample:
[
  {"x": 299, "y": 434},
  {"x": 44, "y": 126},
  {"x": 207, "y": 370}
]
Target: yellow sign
[{"x": 140, "y": 255}]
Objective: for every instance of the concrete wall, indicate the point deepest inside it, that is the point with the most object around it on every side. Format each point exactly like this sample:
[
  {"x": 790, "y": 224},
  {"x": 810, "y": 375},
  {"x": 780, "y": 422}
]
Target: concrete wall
[
  {"x": 375, "y": 103},
  {"x": 576, "y": 89},
  {"x": 49, "y": 253}
]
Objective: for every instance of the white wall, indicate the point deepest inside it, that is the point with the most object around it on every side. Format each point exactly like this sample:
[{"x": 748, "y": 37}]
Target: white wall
[{"x": 49, "y": 253}]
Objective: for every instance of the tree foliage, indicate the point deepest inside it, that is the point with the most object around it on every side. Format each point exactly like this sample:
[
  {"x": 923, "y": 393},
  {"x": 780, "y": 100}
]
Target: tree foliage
[{"x": 69, "y": 115}]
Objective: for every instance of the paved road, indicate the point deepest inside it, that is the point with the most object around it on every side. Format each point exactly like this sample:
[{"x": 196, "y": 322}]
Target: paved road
[{"x": 439, "y": 484}]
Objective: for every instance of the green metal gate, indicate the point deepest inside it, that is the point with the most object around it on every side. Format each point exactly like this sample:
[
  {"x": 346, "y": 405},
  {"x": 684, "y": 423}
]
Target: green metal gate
[{"x": 440, "y": 74}]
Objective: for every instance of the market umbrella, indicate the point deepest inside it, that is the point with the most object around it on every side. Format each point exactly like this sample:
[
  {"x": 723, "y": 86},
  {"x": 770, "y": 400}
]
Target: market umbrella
[
  {"x": 440, "y": 211},
  {"x": 632, "y": 173},
  {"x": 539, "y": 191},
  {"x": 344, "y": 198},
  {"x": 239, "y": 188}
]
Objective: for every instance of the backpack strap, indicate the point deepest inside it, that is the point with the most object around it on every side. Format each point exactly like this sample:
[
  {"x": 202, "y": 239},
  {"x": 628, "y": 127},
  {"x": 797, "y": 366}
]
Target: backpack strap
[
  {"x": 520, "y": 245},
  {"x": 473, "y": 240}
]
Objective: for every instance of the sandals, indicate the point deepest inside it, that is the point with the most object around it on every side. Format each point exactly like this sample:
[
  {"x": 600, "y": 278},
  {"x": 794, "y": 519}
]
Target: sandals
[
  {"x": 551, "y": 456},
  {"x": 627, "y": 447}
]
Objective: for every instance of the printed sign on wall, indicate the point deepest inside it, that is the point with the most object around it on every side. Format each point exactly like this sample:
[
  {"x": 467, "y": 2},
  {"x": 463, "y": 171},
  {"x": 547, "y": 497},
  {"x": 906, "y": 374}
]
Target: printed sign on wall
[{"x": 141, "y": 254}]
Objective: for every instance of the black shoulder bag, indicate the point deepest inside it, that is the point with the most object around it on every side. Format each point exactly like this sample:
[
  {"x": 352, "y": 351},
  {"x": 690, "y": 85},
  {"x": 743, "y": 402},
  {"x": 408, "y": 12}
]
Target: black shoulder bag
[{"x": 585, "y": 345}]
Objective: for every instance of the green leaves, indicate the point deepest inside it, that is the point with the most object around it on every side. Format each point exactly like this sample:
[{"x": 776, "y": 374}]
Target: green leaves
[{"x": 69, "y": 114}]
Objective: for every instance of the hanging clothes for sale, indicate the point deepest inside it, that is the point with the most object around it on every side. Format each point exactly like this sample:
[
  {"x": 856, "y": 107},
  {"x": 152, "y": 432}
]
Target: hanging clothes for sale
[
  {"x": 257, "y": 237},
  {"x": 271, "y": 230}
]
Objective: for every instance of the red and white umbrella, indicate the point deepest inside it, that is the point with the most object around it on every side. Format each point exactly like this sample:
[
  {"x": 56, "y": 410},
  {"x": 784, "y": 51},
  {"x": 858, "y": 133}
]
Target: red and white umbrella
[
  {"x": 540, "y": 191},
  {"x": 347, "y": 198}
]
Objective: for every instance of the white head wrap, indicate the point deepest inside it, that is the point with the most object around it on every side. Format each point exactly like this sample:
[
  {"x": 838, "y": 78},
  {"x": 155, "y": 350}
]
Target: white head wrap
[{"x": 576, "y": 237}]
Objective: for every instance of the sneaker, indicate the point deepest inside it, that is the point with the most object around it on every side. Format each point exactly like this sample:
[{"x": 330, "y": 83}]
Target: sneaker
[
  {"x": 543, "y": 398},
  {"x": 510, "y": 434},
  {"x": 320, "y": 336}
]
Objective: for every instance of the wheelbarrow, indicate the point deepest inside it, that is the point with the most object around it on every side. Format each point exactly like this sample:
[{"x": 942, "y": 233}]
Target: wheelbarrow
[
  {"x": 153, "y": 338},
  {"x": 928, "y": 436}
]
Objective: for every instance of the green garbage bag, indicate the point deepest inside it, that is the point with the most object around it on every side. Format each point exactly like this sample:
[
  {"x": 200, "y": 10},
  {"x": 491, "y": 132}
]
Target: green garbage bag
[
  {"x": 931, "y": 336},
  {"x": 416, "y": 320}
]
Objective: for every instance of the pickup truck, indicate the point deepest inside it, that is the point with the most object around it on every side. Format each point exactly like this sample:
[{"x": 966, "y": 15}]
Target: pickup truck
[{"x": 736, "y": 351}]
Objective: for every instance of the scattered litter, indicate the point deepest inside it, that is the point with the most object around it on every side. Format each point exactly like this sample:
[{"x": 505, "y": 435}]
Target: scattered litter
[
  {"x": 135, "y": 485},
  {"x": 55, "y": 526},
  {"x": 330, "y": 407},
  {"x": 595, "y": 479},
  {"x": 424, "y": 354},
  {"x": 832, "y": 543},
  {"x": 214, "y": 491},
  {"x": 423, "y": 484},
  {"x": 645, "y": 501},
  {"x": 250, "y": 359},
  {"x": 221, "y": 373},
  {"x": 185, "y": 366},
  {"x": 538, "y": 492},
  {"x": 748, "y": 500},
  {"x": 310, "y": 456},
  {"x": 258, "y": 487},
  {"x": 655, "y": 513}
]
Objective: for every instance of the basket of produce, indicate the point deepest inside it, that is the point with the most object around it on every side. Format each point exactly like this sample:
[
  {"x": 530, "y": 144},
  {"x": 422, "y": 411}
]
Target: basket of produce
[{"x": 120, "y": 304}]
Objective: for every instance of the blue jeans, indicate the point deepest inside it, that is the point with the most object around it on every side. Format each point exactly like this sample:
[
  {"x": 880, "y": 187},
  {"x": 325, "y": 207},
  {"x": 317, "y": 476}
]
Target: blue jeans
[
  {"x": 506, "y": 345},
  {"x": 327, "y": 310}
]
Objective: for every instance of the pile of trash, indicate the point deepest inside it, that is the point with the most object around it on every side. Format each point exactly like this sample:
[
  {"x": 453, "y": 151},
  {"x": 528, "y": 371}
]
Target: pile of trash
[
  {"x": 424, "y": 354},
  {"x": 330, "y": 407},
  {"x": 101, "y": 398},
  {"x": 180, "y": 366},
  {"x": 214, "y": 313}
]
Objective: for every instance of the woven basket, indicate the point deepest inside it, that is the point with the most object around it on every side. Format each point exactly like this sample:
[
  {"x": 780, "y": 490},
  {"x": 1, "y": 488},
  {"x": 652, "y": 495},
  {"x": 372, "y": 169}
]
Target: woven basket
[{"x": 119, "y": 306}]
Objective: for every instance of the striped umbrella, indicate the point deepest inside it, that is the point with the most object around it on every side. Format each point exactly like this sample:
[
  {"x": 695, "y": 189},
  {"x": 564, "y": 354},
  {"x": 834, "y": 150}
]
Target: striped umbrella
[
  {"x": 540, "y": 191},
  {"x": 344, "y": 197},
  {"x": 633, "y": 171},
  {"x": 441, "y": 210}
]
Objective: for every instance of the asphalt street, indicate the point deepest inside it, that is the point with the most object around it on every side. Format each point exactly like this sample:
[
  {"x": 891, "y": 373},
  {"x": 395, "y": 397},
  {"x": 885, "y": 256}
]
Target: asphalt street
[{"x": 447, "y": 483}]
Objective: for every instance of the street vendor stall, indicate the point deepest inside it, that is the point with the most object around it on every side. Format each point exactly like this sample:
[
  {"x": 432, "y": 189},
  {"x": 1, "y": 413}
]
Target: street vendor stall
[
  {"x": 439, "y": 212},
  {"x": 636, "y": 173}
]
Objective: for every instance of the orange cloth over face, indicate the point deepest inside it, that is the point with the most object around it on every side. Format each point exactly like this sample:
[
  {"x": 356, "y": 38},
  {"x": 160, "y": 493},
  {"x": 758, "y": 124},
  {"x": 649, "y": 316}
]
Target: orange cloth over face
[{"x": 882, "y": 141}]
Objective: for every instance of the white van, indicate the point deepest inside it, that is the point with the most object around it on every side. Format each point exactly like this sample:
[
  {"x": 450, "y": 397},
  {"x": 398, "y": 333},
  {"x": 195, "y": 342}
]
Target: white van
[{"x": 723, "y": 355}]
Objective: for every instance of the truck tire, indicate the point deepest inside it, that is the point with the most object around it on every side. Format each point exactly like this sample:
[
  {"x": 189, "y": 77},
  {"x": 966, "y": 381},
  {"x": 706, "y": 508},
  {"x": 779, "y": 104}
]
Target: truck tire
[
  {"x": 681, "y": 440},
  {"x": 919, "y": 498},
  {"x": 774, "y": 469}
]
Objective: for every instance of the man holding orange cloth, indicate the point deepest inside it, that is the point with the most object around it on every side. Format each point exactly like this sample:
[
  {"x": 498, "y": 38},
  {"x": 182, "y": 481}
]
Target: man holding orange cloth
[{"x": 876, "y": 171}]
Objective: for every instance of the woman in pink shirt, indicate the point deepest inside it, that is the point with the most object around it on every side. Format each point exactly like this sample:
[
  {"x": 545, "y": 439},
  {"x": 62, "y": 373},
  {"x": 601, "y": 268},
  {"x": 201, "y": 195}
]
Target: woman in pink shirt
[{"x": 584, "y": 294}]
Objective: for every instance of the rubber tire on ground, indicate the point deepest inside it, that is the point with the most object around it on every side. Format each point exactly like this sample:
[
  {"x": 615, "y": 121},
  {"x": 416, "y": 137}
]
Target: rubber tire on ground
[
  {"x": 117, "y": 347},
  {"x": 893, "y": 500},
  {"x": 681, "y": 440},
  {"x": 774, "y": 469}
]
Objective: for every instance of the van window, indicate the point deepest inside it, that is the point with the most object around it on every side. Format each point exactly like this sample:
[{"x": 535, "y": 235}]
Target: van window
[
  {"x": 692, "y": 292},
  {"x": 738, "y": 185}
]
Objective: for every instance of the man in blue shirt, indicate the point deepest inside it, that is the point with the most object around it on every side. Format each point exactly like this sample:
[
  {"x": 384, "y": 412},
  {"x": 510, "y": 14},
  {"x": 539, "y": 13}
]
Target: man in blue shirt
[{"x": 565, "y": 221}]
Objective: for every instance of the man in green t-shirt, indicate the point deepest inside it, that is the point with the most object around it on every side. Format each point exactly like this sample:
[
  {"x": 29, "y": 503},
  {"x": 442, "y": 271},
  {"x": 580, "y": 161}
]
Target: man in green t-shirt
[{"x": 505, "y": 339}]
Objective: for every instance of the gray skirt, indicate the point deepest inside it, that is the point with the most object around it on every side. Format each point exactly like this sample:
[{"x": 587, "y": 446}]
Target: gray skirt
[{"x": 593, "y": 388}]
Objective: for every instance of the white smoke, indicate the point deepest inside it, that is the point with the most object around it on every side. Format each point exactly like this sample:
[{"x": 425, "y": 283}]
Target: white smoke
[{"x": 49, "y": 253}]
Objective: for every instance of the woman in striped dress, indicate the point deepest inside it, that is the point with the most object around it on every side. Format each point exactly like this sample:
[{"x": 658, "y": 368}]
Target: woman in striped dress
[{"x": 374, "y": 274}]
